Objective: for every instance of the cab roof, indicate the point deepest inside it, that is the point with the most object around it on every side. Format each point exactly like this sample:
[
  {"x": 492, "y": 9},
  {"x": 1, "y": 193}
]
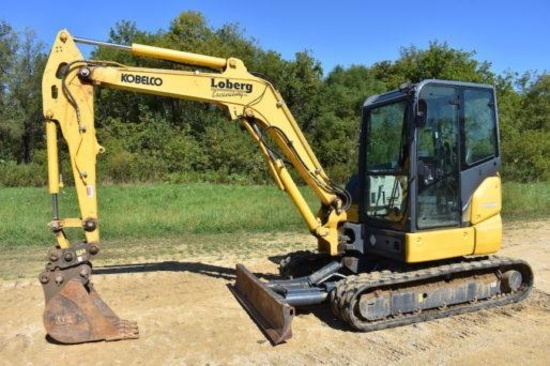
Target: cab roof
[{"x": 414, "y": 89}]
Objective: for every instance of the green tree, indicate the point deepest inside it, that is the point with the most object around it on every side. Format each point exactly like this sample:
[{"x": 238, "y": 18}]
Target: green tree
[
  {"x": 536, "y": 104},
  {"x": 299, "y": 81},
  {"x": 22, "y": 62},
  {"x": 335, "y": 132},
  {"x": 9, "y": 130},
  {"x": 526, "y": 136},
  {"x": 26, "y": 93},
  {"x": 155, "y": 138},
  {"x": 439, "y": 61}
]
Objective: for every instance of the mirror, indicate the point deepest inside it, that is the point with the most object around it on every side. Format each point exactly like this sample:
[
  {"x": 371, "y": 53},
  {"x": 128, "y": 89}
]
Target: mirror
[{"x": 421, "y": 112}]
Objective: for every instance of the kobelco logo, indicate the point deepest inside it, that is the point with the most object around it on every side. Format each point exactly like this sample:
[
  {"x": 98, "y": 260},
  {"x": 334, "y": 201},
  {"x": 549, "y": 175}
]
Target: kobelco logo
[{"x": 140, "y": 79}]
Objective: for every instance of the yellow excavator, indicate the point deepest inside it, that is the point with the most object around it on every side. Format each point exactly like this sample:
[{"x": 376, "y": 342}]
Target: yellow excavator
[{"x": 409, "y": 239}]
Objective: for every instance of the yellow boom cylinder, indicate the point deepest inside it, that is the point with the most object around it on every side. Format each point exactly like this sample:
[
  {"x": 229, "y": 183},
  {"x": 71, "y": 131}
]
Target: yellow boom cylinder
[
  {"x": 162, "y": 53},
  {"x": 53, "y": 157},
  {"x": 296, "y": 196},
  {"x": 178, "y": 56}
]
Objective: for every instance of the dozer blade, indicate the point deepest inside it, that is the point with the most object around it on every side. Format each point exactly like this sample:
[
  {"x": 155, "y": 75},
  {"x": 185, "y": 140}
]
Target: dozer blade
[
  {"x": 76, "y": 314},
  {"x": 267, "y": 308}
]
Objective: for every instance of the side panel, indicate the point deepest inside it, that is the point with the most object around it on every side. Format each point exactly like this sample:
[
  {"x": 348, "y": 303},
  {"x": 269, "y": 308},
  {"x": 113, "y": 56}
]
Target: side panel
[
  {"x": 439, "y": 244},
  {"x": 488, "y": 236},
  {"x": 485, "y": 216},
  {"x": 486, "y": 200}
]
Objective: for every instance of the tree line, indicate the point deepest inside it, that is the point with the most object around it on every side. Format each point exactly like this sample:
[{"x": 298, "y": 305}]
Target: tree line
[{"x": 151, "y": 138}]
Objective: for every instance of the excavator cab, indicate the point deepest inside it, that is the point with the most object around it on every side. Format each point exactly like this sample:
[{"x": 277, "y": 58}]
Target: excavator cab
[{"x": 426, "y": 150}]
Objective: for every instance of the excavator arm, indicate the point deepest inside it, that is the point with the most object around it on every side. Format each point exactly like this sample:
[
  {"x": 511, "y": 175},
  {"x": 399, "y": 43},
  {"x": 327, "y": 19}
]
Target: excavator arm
[
  {"x": 69, "y": 106},
  {"x": 74, "y": 312}
]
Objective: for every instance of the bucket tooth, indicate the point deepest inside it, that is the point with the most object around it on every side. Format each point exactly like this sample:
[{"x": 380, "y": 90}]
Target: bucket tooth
[{"x": 268, "y": 309}]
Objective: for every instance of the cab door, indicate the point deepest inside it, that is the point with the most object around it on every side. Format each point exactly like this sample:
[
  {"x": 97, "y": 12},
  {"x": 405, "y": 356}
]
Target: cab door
[{"x": 438, "y": 158}]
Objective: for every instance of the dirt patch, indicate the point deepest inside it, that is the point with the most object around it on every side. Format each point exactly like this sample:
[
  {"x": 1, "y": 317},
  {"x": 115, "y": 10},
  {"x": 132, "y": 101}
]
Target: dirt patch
[{"x": 187, "y": 315}]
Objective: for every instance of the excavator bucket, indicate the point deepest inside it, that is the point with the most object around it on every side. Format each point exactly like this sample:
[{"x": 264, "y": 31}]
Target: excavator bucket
[
  {"x": 266, "y": 307},
  {"x": 75, "y": 313}
]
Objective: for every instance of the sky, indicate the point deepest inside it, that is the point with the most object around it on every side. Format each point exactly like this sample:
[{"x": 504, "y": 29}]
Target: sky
[{"x": 512, "y": 35}]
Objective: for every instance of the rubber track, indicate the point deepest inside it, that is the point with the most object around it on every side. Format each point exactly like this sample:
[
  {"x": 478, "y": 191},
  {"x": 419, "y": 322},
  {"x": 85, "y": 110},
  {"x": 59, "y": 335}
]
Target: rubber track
[{"x": 344, "y": 299}]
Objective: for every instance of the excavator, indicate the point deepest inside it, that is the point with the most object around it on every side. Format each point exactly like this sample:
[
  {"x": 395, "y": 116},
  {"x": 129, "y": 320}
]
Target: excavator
[{"x": 412, "y": 237}]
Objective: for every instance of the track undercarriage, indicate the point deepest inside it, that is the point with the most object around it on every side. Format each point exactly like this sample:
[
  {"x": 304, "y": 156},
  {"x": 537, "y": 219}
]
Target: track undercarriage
[{"x": 392, "y": 296}]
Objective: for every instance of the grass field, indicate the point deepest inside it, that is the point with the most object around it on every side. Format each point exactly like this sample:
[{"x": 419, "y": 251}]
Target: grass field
[
  {"x": 153, "y": 211},
  {"x": 526, "y": 200},
  {"x": 165, "y": 211}
]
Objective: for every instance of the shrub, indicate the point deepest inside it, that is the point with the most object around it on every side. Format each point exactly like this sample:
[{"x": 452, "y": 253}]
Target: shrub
[{"x": 22, "y": 175}]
